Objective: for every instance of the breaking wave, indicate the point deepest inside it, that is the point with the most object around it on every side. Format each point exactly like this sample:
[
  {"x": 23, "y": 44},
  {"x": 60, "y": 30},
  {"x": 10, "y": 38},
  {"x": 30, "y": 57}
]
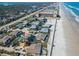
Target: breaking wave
[{"x": 69, "y": 8}]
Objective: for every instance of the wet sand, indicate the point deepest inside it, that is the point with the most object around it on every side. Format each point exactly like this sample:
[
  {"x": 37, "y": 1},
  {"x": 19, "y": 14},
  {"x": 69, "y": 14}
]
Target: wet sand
[{"x": 71, "y": 32}]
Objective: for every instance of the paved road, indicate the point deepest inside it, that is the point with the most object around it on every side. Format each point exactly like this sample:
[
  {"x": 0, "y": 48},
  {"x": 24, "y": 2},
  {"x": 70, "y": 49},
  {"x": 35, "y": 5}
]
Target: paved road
[
  {"x": 51, "y": 21},
  {"x": 22, "y": 18}
]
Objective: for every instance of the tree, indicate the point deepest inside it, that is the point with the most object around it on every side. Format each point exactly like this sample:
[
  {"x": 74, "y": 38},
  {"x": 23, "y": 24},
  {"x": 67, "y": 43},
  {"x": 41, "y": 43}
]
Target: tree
[
  {"x": 1, "y": 43},
  {"x": 31, "y": 38},
  {"x": 28, "y": 24},
  {"x": 41, "y": 23}
]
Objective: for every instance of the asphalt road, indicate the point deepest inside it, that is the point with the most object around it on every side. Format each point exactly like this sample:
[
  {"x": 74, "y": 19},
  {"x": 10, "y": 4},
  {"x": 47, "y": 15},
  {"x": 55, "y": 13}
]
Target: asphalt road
[{"x": 50, "y": 40}]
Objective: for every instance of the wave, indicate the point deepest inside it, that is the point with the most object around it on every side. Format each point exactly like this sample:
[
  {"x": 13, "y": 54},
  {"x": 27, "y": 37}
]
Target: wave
[
  {"x": 73, "y": 7},
  {"x": 73, "y": 13}
]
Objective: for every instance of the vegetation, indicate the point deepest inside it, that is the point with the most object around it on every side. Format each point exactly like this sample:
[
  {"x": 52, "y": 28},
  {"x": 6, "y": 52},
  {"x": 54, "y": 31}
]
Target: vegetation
[
  {"x": 1, "y": 44},
  {"x": 7, "y": 11},
  {"x": 2, "y": 51},
  {"x": 44, "y": 45},
  {"x": 32, "y": 38}
]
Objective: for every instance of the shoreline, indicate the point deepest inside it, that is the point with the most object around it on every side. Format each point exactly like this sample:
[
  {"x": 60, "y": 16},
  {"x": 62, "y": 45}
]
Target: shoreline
[
  {"x": 71, "y": 32},
  {"x": 76, "y": 16}
]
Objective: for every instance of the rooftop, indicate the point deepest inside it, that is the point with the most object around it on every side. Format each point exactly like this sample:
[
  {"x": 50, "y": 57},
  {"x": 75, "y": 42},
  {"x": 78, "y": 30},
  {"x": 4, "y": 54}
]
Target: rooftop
[
  {"x": 4, "y": 39},
  {"x": 34, "y": 49},
  {"x": 45, "y": 30}
]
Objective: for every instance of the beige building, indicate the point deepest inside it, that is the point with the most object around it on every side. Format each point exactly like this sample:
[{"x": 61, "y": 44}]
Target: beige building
[{"x": 34, "y": 50}]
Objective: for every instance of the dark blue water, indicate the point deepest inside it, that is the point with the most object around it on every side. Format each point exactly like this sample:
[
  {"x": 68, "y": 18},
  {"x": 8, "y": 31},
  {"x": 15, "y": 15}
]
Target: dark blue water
[
  {"x": 22, "y": 3},
  {"x": 75, "y": 6}
]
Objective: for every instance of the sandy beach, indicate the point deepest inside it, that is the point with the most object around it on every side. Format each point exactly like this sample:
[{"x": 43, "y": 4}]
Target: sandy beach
[{"x": 71, "y": 32}]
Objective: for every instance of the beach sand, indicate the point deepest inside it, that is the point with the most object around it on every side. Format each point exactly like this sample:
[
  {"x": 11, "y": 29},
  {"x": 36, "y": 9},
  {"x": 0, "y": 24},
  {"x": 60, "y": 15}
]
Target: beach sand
[{"x": 71, "y": 32}]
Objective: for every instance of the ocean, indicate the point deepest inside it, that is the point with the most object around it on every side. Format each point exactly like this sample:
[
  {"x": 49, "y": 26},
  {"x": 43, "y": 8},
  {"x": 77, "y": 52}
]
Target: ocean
[
  {"x": 74, "y": 8},
  {"x": 23, "y": 3}
]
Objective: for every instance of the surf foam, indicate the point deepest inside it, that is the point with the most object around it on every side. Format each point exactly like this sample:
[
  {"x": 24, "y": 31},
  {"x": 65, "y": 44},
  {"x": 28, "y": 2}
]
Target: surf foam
[{"x": 76, "y": 17}]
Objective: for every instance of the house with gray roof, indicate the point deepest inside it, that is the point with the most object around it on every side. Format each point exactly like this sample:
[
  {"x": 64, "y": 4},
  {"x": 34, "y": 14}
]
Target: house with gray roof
[{"x": 44, "y": 30}]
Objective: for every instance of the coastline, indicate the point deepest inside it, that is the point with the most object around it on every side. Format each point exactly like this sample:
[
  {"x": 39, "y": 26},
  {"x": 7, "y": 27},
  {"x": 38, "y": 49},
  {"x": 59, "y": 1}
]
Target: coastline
[
  {"x": 76, "y": 16},
  {"x": 71, "y": 32}
]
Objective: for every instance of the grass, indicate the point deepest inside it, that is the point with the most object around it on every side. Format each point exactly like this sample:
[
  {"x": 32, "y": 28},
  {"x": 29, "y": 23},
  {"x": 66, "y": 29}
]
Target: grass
[
  {"x": 2, "y": 51},
  {"x": 18, "y": 39}
]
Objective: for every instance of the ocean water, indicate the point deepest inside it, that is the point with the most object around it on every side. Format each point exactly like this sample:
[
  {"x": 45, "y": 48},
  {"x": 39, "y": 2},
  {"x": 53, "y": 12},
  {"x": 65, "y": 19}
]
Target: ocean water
[
  {"x": 74, "y": 8},
  {"x": 23, "y": 3}
]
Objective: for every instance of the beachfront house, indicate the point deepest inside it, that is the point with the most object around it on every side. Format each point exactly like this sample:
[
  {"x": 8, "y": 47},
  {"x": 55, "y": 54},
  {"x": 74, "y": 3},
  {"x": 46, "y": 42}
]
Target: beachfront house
[
  {"x": 41, "y": 36},
  {"x": 44, "y": 30},
  {"x": 47, "y": 25}
]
